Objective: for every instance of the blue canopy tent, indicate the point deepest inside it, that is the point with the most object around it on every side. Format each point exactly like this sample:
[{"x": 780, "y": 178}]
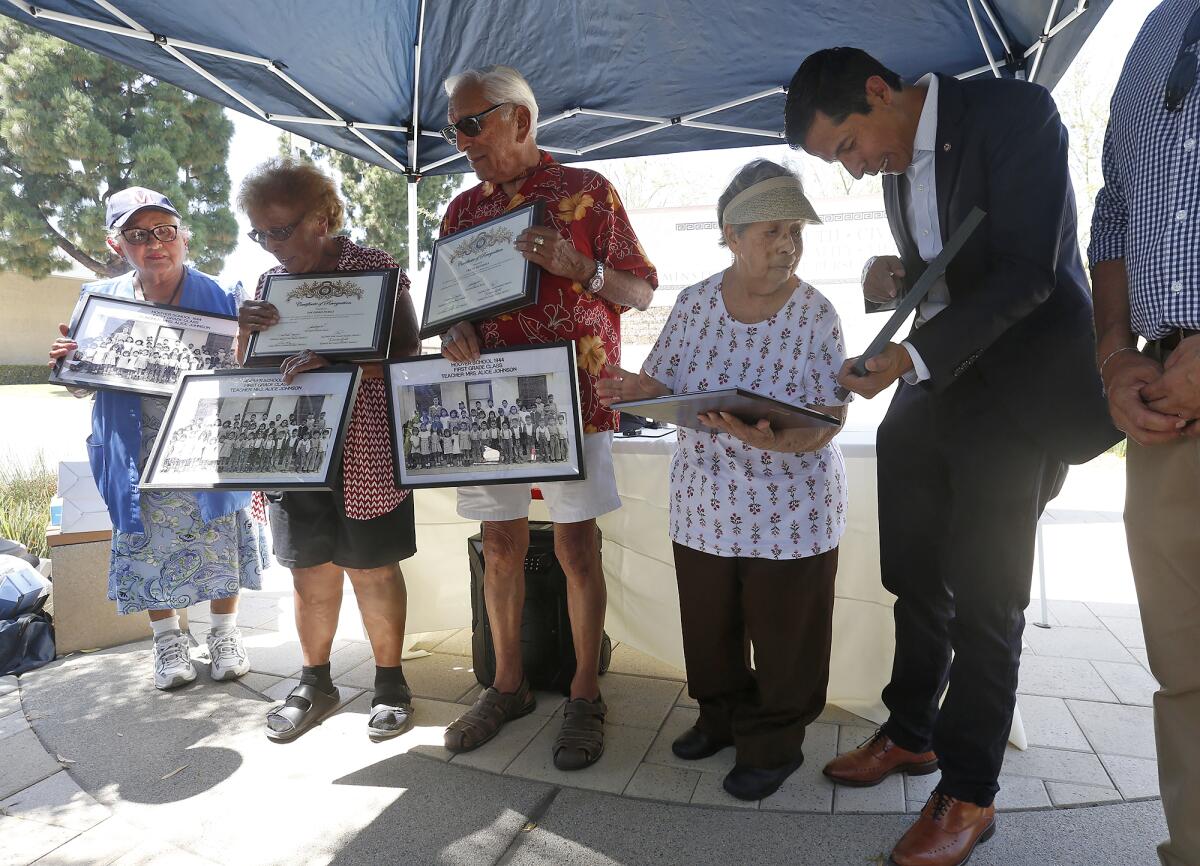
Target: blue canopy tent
[{"x": 614, "y": 78}]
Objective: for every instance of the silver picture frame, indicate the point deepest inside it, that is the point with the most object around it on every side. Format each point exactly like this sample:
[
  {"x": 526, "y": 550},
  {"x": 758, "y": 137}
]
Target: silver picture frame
[
  {"x": 247, "y": 429},
  {"x": 142, "y": 348},
  {"x": 534, "y": 388}
]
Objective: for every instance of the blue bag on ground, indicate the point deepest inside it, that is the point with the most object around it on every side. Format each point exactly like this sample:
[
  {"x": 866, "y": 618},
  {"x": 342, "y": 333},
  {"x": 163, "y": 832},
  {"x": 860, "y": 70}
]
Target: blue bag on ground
[
  {"x": 26, "y": 642},
  {"x": 26, "y": 631},
  {"x": 21, "y": 587}
]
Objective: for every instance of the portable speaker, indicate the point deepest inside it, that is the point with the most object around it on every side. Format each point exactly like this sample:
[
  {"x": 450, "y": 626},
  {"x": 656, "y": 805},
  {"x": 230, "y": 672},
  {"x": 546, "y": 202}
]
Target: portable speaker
[{"x": 547, "y": 651}]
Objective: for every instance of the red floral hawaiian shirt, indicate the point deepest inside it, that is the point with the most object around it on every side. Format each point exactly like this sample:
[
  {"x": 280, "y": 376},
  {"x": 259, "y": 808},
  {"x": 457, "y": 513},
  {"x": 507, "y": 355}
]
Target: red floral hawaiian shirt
[{"x": 586, "y": 210}]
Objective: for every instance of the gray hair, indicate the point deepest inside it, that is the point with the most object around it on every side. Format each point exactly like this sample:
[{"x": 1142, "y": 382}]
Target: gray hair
[
  {"x": 755, "y": 171},
  {"x": 499, "y": 84}
]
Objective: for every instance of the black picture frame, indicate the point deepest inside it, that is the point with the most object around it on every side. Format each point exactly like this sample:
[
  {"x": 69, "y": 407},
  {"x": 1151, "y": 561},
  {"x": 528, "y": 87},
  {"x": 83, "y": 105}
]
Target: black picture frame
[
  {"x": 749, "y": 407},
  {"x": 375, "y": 341},
  {"x": 204, "y": 402},
  {"x": 89, "y": 365},
  {"x": 545, "y": 372},
  {"x": 504, "y": 229}
]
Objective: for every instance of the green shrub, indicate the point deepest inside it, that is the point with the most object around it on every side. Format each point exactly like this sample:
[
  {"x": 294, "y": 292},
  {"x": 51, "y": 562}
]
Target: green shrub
[
  {"x": 1119, "y": 449},
  {"x": 24, "y": 374},
  {"x": 25, "y": 492}
]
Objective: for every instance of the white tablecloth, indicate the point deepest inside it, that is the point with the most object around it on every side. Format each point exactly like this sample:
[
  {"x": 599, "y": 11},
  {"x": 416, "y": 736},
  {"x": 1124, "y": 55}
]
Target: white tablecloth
[{"x": 643, "y": 601}]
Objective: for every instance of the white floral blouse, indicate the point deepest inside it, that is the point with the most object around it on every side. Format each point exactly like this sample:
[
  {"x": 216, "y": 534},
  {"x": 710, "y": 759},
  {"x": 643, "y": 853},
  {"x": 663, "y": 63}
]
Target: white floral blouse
[{"x": 729, "y": 498}]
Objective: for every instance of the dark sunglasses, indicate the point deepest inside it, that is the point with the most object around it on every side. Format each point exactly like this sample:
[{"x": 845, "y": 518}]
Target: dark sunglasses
[
  {"x": 278, "y": 233},
  {"x": 1183, "y": 73},
  {"x": 164, "y": 233},
  {"x": 468, "y": 126}
]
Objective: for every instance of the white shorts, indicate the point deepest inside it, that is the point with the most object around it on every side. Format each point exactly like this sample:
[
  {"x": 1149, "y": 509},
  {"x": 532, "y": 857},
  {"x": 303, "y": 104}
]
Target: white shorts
[{"x": 567, "y": 501}]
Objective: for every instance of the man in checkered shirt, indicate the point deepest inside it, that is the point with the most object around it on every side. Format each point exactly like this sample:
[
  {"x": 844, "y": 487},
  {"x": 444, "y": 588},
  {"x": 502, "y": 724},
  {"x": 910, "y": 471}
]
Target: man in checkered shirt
[{"x": 1145, "y": 257}]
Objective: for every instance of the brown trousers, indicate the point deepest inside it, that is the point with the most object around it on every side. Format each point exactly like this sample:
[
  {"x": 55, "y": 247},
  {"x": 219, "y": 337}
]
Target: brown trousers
[
  {"x": 784, "y": 608},
  {"x": 1162, "y": 526}
]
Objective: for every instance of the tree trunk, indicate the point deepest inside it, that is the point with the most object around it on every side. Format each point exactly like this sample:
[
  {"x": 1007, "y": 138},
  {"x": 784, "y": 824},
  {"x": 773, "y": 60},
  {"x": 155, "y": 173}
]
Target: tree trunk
[{"x": 100, "y": 269}]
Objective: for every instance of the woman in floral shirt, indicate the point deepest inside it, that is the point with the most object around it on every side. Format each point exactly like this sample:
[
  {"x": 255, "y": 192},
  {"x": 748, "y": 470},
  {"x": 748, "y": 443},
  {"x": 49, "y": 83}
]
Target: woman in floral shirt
[{"x": 756, "y": 514}]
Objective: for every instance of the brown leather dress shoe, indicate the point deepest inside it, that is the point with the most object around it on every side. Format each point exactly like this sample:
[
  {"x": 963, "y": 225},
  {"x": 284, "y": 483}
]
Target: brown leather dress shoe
[
  {"x": 945, "y": 834},
  {"x": 875, "y": 760}
]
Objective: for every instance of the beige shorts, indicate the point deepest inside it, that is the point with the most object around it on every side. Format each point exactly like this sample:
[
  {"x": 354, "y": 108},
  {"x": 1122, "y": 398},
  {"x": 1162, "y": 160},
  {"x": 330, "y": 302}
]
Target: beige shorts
[{"x": 567, "y": 501}]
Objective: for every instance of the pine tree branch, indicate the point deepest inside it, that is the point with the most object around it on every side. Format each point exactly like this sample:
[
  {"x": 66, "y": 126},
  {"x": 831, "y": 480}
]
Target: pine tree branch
[{"x": 101, "y": 269}]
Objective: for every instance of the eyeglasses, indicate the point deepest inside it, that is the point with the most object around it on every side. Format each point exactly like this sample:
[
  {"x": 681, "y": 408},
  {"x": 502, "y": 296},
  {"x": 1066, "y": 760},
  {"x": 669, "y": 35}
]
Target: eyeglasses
[
  {"x": 1183, "y": 74},
  {"x": 277, "y": 233},
  {"x": 468, "y": 126},
  {"x": 164, "y": 233}
]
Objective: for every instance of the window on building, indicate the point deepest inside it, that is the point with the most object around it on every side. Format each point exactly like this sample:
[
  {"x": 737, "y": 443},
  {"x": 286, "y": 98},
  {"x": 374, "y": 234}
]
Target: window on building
[
  {"x": 530, "y": 388},
  {"x": 481, "y": 391},
  {"x": 426, "y": 395}
]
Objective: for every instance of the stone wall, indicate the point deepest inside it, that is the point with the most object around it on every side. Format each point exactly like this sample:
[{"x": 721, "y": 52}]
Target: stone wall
[{"x": 30, "y": 311}]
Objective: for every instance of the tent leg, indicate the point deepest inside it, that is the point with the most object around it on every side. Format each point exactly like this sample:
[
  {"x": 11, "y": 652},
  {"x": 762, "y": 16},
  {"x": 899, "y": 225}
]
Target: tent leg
[
  {"x": 412, "y": 225},
  {"x": 1041, "y": 556}
]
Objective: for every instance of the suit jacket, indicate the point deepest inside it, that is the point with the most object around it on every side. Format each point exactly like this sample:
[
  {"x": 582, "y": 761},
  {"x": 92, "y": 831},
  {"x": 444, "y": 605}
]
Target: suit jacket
[{"x": 1020, "y": 308}]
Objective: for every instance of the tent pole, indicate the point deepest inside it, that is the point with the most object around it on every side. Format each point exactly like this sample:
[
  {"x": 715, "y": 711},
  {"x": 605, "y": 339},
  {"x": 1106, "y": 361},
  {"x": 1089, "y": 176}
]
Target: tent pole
[
  {"x": 987, "y": 49},
  {"x": 987, "y": 9},
  {"x": 416, "y": 99},
  {"x": 413, "y": 181},
  {"x": 1041, "y": 45}
]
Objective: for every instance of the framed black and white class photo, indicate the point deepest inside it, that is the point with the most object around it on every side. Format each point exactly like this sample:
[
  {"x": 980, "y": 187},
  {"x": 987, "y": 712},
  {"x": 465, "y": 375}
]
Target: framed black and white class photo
[
  {"x": 248, "y": 430},
  {"x": 143, "y": 348},
  {"x": 477, "y": 273},
  {"x": 344, "y": 316},
  {"x": 511, "y": 416}
]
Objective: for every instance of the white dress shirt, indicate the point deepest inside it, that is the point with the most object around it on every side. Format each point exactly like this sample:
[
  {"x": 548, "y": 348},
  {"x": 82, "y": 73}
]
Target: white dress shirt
[{"x": 921, "y": 214}]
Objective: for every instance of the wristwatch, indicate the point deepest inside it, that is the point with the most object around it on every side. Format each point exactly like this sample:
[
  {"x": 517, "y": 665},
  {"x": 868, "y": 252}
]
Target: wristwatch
[{"x": 596, "y": 283}]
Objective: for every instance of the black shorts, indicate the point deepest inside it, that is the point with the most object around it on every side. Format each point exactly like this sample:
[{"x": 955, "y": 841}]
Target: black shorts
[{"x": 310, "y": 528}]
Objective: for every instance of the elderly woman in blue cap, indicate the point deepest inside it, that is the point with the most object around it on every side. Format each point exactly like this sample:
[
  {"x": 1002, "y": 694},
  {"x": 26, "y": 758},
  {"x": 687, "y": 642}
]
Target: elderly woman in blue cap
[{"x": 170, "y": 549}]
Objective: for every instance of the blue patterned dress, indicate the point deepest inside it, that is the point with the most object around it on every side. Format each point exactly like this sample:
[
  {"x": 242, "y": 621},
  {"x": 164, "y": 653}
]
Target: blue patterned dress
[{"x": 180, "y": 560}]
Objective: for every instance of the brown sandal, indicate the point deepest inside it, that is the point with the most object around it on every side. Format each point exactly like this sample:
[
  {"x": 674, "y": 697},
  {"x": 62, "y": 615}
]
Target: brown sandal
[
  {"x": 487, "y": 716},
  {"x": 580, "y": 742}
]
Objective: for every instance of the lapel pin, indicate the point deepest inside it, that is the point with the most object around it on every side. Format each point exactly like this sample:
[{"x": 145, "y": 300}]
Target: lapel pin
[{"x": 946, "y": 147}]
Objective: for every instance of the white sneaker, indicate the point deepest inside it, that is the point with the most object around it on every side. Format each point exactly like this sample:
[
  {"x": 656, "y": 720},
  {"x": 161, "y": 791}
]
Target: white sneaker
[
  {"x": 173, "y": 661},
  {"x": 228, "y": 654}
]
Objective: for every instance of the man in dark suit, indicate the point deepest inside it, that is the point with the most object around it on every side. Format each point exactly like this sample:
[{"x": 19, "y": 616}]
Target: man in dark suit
[{"x": 998, "y": 393}]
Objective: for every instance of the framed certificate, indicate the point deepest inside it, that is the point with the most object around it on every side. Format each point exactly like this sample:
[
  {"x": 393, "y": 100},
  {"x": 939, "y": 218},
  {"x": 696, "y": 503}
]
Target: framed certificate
[
  {"x": 511, "y": 416},
  {"x": 344, "y": 316},
  {"x": 682, "y": 409},
  {"x": 478, "y": 272},
  {"x": 247, "y": 430},
  {"x": 140, "y": 347}
]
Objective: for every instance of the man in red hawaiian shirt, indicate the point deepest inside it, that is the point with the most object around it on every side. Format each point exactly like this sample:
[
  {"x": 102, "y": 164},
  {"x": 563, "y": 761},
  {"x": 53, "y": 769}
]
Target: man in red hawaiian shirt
[{"x": 593, "y": 269}]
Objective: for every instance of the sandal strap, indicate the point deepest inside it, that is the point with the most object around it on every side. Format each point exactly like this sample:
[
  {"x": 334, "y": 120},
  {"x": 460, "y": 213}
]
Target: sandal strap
[
  {"x": 471, "y": 722},
  {"x": 581, "y": 708},
  {"x": 302, "y": 697},
  {"x": 309, "y": 692},
  {"x": 294, "y": 714},
  {"x": 381, "y": 710}
]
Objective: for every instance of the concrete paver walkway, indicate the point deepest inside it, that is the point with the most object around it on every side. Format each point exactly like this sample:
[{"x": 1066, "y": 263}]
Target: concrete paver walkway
[{"x": 96, "y": 766}]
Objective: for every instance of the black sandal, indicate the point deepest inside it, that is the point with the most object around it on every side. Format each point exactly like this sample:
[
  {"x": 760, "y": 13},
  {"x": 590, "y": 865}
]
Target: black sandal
[
  {"x": 390, "y": 720},
  {"x": 580, "y": 742},
  {"x": 489, "y": 713},
  {"x": 306, "y": 706}
]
